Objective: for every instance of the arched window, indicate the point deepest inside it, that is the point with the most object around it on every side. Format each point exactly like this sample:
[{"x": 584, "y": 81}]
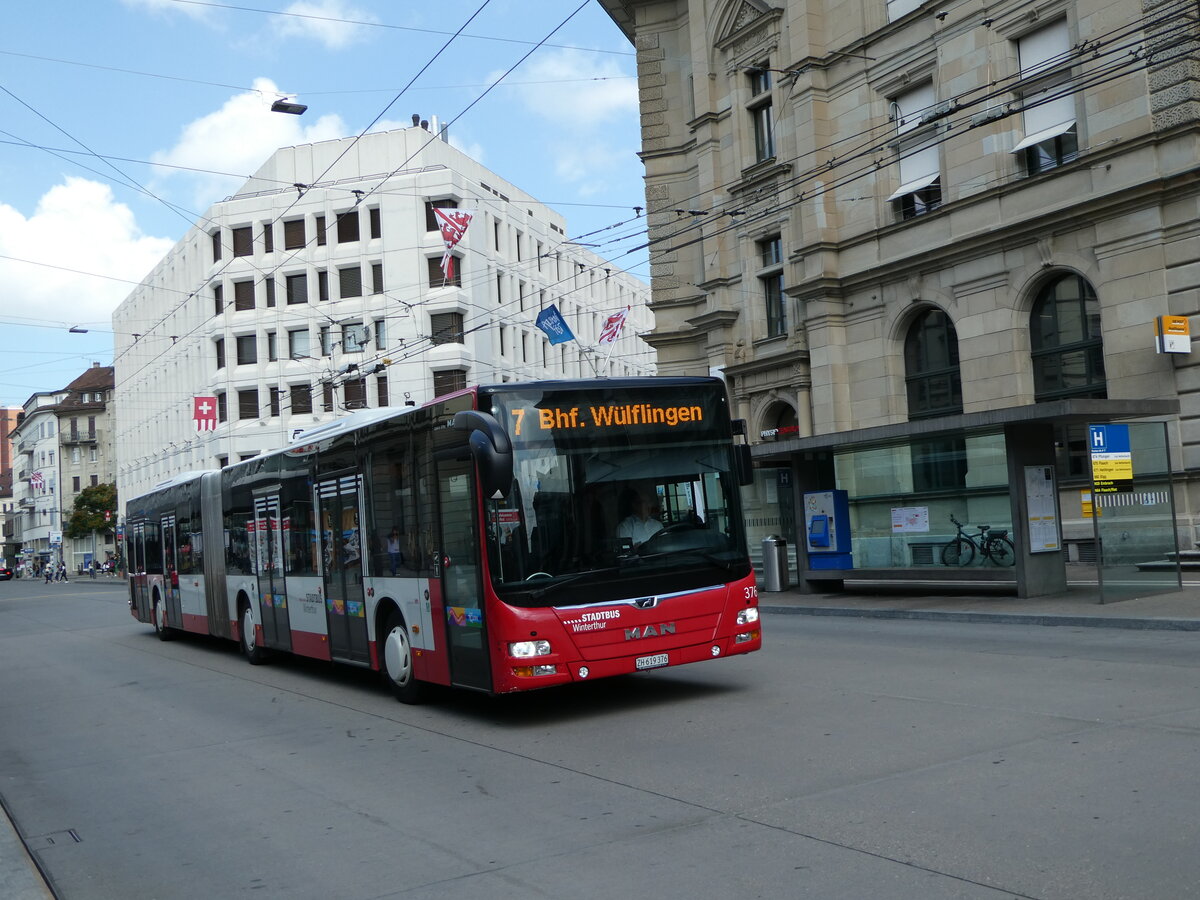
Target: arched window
[
  {"x": 1065, "y": 342},
  {"x": 931, "y": 367}
]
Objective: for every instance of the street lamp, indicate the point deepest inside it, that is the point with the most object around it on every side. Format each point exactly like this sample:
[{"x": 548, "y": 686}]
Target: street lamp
[{"x": 283, "y": 105}]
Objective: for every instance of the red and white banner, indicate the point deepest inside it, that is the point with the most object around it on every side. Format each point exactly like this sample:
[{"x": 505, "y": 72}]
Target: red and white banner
[
  {"x": 204, "y": 413},
  {"x": 612, "y": 327},
  {"x": 37, "y": 481},
  {"x": 453, "y": 224}
]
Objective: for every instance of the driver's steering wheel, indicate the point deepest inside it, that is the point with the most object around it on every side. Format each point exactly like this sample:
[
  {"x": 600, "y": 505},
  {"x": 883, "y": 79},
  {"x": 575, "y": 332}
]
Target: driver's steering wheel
[{"x": 538, "y": 575}]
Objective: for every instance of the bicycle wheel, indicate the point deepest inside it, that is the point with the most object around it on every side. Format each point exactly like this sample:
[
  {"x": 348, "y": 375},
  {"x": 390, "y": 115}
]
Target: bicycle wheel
[
  {"x": 959, "y": 552},
  {"x": 1002, "y": 552}
]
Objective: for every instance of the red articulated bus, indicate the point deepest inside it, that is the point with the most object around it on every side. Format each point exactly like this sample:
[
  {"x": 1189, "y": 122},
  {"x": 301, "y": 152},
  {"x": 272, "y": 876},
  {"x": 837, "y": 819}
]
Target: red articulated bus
[{"x": 504, "y": 538}]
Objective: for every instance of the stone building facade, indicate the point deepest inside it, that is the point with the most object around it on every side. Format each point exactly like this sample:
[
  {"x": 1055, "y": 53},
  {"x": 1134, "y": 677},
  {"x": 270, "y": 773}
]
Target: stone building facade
[{"x": 886, "y": 220}]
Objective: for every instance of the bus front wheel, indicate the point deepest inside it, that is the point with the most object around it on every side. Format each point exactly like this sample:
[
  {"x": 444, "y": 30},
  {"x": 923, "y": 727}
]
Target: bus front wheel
[{"x": 396, "y": 660}]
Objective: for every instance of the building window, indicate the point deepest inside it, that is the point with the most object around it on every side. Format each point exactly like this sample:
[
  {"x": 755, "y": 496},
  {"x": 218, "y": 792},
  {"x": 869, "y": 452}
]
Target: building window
[
  {"x": 939, "y": 465},
  {"x": 931, "y": 373},
  {"x": 381, "y": 335},
  {"x": 354, "y": 337},
  {"x": 243, "y": 295},
  {"x": 350, "y": 282},
  {"x": 898, "y": 8},
  {"x": 1047, "y": 99},
  {"x": 268, "y": 237},
  {"x": 297, "y": 288},
  {"x": 218, "y": 300},
  {"x": 381, "y": 390},
  {"x": 449, "y": 382},
  {"x": 376, "y": 223},
  {"x": 293, "y": 234},
  {"x": 274, "y": 403},
  {"x": 322, "y": 286},
  {"x": 437, "y": 278},
  {"x": 247, "y": 349},
  {"x": 770, "y": 255},
  {"x": 322, "y": 238},
  {"x": 243, "y": 241},
  {"x": 377, "y": 278},
  {"x": 272, "y": 346},
  {"x": 347, "y": 226},
  {"x": 920, "y": 188},
  {"x": 216, "y": 245},
  {"x": 298, "y": 344},
  {"x": 248, "y": 403},
  {"x": 300, "y": 398},
  {"x": 219, "y": 346},
  {"x": 431, "y": 220},
  {"x": 446, "y": 328},
  {"x": 75, "y": 484},
  {"x": 326, "y": 342},
  {"x": 327, "y": 396},
  {"x": 270, "y": 286},
  {"x": 1066, "y": 345},
  {"x": 95, "y": 479},
  {"x": 761, "y": 112},
  {"x": 222, "y": 407},
  {"x": 356, "y": 393}
]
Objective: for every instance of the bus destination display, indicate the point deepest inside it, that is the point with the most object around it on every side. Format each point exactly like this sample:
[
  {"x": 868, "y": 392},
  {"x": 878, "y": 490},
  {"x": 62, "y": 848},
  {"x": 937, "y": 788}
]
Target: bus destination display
[{"x": 623, "y": 415}]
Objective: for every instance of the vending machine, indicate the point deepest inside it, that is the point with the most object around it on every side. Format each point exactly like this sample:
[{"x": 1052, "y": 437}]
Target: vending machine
[{"x": 827, "y": 530}]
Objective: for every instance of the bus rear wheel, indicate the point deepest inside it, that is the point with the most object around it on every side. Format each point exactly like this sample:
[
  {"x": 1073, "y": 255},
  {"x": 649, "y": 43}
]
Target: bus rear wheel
[
  {"x": 158, "y": 615},
  {"x": 255, "y": 655},
  {"x": 396, "y": 660}
]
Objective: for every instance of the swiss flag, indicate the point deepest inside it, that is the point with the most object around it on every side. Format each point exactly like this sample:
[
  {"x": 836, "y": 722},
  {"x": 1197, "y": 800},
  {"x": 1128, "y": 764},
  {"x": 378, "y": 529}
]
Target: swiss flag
[{"x": 204, "y": 412}]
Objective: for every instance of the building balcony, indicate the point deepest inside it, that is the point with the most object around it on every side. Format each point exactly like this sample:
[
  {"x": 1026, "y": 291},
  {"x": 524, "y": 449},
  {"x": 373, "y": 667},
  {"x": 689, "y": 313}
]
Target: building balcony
[
  {"x": 80, "y": 437},
  {"x": 26, "y": 503}
]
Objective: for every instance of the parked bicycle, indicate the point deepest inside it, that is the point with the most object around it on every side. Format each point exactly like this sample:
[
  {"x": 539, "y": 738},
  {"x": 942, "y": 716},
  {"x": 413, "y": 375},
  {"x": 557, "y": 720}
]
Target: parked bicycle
[{"x": 990, "y": 543}]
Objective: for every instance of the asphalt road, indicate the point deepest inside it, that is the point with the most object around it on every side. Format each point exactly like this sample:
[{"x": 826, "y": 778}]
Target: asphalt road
[{"x": 851, "y": 758}]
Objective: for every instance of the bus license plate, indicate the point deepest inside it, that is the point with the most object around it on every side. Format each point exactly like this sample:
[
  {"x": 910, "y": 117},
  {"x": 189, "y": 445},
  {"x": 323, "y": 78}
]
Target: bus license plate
[{"x": 651, "y": 662}]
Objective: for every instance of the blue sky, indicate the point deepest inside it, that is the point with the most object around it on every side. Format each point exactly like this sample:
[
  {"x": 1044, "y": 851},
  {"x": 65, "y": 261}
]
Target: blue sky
[{"x": 122, "y": 120}]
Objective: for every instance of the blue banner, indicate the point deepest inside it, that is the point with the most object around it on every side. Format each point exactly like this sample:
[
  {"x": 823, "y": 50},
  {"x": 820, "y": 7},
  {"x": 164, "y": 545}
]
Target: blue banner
[{"x": 555, "y": 326}]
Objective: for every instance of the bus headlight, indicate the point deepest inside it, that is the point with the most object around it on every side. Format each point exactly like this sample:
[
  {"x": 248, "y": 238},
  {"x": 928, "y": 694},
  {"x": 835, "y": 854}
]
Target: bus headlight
[
  {"x": 748, "y": 616},
  {"x": 526, "y": 649}
]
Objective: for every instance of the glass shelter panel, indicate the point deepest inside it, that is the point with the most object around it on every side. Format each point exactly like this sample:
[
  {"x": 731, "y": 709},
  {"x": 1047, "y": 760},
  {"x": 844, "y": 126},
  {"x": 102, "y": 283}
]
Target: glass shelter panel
[
  {"x": 1135, "y": 530},
  {"x": 905, "y": 498}
]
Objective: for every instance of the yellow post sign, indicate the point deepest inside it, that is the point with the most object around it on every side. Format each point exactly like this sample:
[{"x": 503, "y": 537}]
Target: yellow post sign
[{"x": 1172, "y": 334}]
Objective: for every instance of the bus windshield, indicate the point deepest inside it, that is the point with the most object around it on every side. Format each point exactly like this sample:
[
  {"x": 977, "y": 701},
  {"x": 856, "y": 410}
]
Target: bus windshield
[{"x": 617, "y": 492}]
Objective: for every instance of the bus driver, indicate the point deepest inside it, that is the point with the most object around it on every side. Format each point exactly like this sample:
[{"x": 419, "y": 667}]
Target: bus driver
[{"x": 639, "y": 526}]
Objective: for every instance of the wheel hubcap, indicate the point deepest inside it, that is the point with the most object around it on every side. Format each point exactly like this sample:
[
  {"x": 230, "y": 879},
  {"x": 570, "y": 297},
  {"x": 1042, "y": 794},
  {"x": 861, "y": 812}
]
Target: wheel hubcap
[
  {"x": 397, "y": 656},
  {"x": 248, "y": 630}
]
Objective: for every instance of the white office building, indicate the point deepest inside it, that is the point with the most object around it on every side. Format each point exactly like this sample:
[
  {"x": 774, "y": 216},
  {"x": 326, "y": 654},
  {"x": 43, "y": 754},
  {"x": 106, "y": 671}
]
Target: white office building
[{"x": 319, "y": 288}]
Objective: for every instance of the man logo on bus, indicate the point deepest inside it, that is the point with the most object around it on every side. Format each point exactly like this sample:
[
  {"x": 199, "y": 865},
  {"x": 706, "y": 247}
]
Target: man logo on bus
[{"x": 645, "y": 631}]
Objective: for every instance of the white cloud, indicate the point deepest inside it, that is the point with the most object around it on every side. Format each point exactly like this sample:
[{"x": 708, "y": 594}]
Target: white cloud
[
  {"x": 588, "y": 112},
  {"x": 577, "y": 89},
  {"x": 330, "y": 22},
  {"x": 238, "y": 138},
  {"x": 102, "y": 239}
]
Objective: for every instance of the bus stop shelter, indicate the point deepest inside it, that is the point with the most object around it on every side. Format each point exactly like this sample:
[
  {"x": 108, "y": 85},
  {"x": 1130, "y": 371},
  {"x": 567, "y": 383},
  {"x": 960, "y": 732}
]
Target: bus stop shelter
[{"x": 998, "y": 467}]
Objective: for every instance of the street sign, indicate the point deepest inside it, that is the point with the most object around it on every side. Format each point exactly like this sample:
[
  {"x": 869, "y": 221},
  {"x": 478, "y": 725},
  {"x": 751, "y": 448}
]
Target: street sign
[
  {"x": 56, "y": 539},
  {"x": 1112, "y": 458}
]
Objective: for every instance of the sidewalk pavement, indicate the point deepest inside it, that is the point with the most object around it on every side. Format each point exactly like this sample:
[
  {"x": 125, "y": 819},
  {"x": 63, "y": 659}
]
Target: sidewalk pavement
[
  {"x": 20, "y": 879},
  {"x": 1079, "y": 606}
]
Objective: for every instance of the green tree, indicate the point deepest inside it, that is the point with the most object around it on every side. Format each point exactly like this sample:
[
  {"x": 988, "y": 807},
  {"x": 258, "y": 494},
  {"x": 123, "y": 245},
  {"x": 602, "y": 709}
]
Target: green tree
[{"x": 90, "y": 508}]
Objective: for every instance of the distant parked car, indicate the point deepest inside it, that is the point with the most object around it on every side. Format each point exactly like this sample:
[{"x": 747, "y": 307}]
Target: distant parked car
[{"x": 6, "y": 573}]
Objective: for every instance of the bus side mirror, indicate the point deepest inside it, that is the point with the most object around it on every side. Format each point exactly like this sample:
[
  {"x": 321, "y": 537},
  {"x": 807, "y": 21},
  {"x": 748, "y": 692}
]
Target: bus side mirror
[
  {"x": 491, "y": 449},
  {"x": 744, "y": 464}
]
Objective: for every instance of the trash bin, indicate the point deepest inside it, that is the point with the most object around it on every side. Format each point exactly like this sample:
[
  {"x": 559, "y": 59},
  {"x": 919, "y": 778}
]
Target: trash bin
[{"x": 775, "y": 563}]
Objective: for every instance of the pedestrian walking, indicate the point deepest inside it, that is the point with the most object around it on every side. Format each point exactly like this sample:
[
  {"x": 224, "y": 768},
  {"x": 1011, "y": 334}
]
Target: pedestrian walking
[{"x": 49, "y": 571}]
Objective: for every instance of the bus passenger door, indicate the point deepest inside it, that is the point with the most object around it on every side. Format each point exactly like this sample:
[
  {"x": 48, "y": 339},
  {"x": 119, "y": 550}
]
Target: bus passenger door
[
  {"x": 459, "y": 572},
  {"x": 137, "y": 571},
  {"x": 269, "y": 556},
  {"x": 170, "y": 543},
  {"x": 339, "y": 523}
]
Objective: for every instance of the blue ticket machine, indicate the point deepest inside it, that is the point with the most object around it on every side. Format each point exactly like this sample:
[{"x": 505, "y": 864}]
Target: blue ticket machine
[{"x": 827, "y": 530}]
